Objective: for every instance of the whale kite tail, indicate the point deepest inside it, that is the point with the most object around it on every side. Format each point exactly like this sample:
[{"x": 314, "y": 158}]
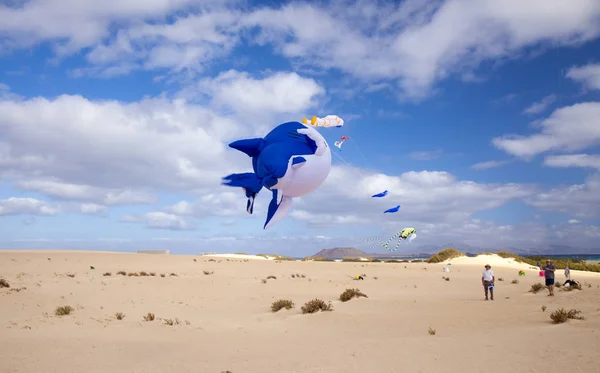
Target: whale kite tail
[{"x": 249, "y": 182}]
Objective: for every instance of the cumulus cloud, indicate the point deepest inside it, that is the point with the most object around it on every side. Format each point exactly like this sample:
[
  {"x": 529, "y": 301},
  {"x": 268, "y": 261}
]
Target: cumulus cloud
[
  {"x": 574, "y": 160},
  {"x": 581, "y": 200},
  {"x": 161, "y": 220},
  {"x": 114, "y": 153},
  {"x": 542, "y": 105},
  {"x": 588, "y": 75},
  {"x": 29, "y": 206},
  {"x": 488, "y": 165},
  {"x": 569, "y": 128},
  {"x": 433, "y": 39}
]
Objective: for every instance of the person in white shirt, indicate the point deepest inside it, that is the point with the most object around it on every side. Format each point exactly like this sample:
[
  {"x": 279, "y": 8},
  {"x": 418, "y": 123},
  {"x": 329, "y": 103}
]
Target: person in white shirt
[{"x": 487, "y": 279}]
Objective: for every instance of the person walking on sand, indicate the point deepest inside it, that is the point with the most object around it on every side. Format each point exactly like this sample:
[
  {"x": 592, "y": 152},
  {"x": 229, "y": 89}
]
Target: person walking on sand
[
  {"x": 549, "y": 269},
  {"x": 487, "y": 280}
]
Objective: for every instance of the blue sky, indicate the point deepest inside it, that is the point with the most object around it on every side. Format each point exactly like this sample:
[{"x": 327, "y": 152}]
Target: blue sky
[{"x": 483, "y": 122}]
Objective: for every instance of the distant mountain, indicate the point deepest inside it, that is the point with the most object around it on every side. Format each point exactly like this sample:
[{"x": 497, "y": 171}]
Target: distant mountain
[{"x": 342, "y": 252}]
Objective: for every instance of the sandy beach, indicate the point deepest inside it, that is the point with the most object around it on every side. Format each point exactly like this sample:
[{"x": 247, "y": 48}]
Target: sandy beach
[{"x": 225, "y": 323}]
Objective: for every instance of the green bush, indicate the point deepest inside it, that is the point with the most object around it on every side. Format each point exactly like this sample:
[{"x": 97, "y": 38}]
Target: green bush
[{"x": 444, "y": 255}]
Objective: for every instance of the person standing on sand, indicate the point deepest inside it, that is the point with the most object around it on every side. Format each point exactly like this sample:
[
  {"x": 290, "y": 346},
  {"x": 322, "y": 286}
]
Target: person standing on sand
[
  {"x": 549, "y": 269},
  {"x": 487, "y": 279}
]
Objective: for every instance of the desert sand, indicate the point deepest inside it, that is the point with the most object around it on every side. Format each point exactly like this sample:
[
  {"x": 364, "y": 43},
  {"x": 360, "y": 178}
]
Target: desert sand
[{"x": 226, "y": 323}]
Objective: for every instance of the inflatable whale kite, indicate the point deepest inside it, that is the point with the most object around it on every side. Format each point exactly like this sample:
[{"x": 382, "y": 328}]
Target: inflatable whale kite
[{"x": 291, "y": 161}]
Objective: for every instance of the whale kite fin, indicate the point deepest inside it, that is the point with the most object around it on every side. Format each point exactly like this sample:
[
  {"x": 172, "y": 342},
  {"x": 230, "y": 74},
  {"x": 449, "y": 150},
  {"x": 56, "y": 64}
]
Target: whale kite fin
[
  {"x": 298, "y": 162},
  {"x": 248, "y": 180},
  {"x": 278, "y": 208},
  {"x": 252, "y": 147}
]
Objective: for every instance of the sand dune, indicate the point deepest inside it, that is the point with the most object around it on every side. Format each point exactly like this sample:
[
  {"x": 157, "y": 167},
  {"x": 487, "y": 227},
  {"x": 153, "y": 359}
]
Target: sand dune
[{"x": 225, "y": 321}]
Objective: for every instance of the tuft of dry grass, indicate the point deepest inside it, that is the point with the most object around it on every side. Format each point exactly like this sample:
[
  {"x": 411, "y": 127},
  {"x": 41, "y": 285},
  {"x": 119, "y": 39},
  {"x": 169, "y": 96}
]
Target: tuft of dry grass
[
  {"x": 71, "y": 275},
  {"x": 4, "y": 283},
  {"x": 152, "y": 274},
  {"x": 119, "y": 315},
  {"x": 133, "y": 274},
  {"x": 18, "y": 290},
  {"x": 107, "y": 274},
  {"x": 63, "y": 310},
  {"x": 282, "y": 303},
  {"x": 536, "y": 288},
  {"x": 351, "y": 293},
  {"x": 173, "y": 274},
  {"x": 316, "y": 305},
  {"x": 500, "y": 278},
  {"x": 264, "y": 280},
  {"x": 558, "y": 285},
  {"x": 208, "y": 272},
  {"x": 271, "y": 277},
  {"x": 149, "y": 317},
  {"x": 172, "y": 322},
  {"x": 544, "y": 308},
  {"x": 122, "y": 273},
  {"x": 162, "y": 275},
  {"x": 144, "y": 273},
  {"x": 431, "y": 331},
  {"x": 515, "y": 281},
  {"x": 561, "y": 315},
  {"x": 446, "y": 278}
]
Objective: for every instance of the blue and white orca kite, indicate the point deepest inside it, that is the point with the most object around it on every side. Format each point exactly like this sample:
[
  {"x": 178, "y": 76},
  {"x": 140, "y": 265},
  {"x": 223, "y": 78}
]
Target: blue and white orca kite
[{"x": 291, "y": 161}]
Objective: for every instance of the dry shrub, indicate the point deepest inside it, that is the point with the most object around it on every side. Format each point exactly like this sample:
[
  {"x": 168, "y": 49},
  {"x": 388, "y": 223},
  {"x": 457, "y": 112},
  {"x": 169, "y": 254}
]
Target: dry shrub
[
  {"x": 351, "y": 293},
  {"x": 446, "y": 278},
  {"x": 63, "y": 310},
  {"x": 172, "y": 322},
  {"x": 558, "y": 285},
  {"x": 107, "y": 274},
  {"x": 4, "y": 283},
  {"x": 293, "y": 275},
  {"x": 562, "y": 315},
  {"x": 316, "y": 305},
  {"x": 162, "y": 275},
  {"x": 442, "y": 256},
  {"x": 71, "y": 275},
  {"x": 173, "y": 274},
  {"x": 144, "y": 273},
  {"x": 282, "y": 303},
  {"x": 271, "y": 277},
  {"x": 119, "y": 315},
  {"x": 18, "y": 290},
  {"x": 431, "y": 331},
  {"x": 122, "y": 273},
  {"x": 208, "y": 272},
  {"x": 149, "y": 317},
  {"x": 133, "y": 274},
  {"x": 515, "y": 281},
  {"x": 544, "y": 308},
  {"x": 500, "y": 278},
  {"x": 152, "y": 273},
  {"x": 537, "y": 287}
]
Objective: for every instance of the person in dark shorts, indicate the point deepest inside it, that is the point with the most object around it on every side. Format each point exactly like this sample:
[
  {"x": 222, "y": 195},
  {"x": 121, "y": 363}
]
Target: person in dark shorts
[
  {"x": 487, "y": 280},
  {"x": 549, "y": 269}
]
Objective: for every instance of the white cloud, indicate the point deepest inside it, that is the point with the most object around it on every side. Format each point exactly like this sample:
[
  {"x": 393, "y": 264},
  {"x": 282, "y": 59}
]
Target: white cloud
[
  {"x": 574, "y": 160},
  {"x": 161, "y": 220},
  {"x": 542, "y": 105},
  {"x": 429, "y": 197},
  {"x": 29, "y": 206},
  {"x": 122, "y": 153},
  {"x": 569, "y": 128},
  {"x": 488, "y": 165},
  {"x": 574, "y": 221},
  {"x": 93, "y": 209},
  {"x": 279, "y": 93},
  {"x": 580, "y": 200},
  {"x": 588, "y": 75},
  {"x": 433, "y": 39}
]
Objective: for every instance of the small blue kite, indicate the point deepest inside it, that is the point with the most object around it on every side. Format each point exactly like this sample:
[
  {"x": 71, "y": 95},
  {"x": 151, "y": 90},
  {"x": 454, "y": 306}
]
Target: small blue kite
[
  {"x": 393, "y": 209},
  {"x": 382, "y": 194}
]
